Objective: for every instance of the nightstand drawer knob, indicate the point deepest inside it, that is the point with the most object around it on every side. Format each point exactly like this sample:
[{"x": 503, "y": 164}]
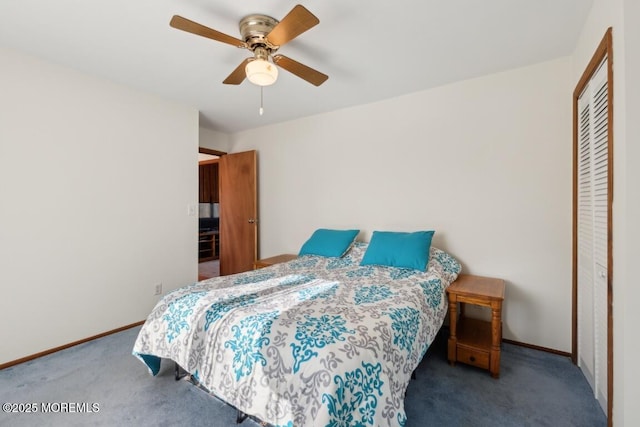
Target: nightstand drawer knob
[{"x": 473, "y": 359}]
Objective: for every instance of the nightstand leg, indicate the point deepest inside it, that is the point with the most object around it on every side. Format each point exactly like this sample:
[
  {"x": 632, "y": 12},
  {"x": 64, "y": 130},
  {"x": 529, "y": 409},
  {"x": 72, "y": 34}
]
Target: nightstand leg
[
  {"x": 453, "y": 339},
  {"x": 496, "y": 336}
]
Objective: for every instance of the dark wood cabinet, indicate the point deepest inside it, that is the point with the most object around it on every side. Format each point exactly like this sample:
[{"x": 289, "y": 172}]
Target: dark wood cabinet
[
  {"x": 208, "y": 246},
  {"x": 208, "y": 183}
]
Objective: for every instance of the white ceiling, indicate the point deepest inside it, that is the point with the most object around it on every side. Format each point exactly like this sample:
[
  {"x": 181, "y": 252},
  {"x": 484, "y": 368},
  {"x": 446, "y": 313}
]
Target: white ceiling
[{"x": 371, "y": 50}]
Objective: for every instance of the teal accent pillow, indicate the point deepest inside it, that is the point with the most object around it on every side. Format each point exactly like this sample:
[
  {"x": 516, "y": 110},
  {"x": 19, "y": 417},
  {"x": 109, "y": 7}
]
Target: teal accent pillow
[
  {"x": 397, "y": 249},
  {"x": 329, "y": 243}
]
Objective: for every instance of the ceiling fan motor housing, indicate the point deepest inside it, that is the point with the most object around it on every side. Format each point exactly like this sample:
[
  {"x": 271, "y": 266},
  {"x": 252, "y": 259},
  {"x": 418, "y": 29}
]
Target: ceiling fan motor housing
[{"x": 254, "y": 30}]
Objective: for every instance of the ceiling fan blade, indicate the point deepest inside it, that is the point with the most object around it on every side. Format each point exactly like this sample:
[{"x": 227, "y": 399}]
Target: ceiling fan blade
[
  {"x": 297, "y": 21},
  {"x": 189, "y": 26},
  {"x": 237, "y": 76},
  {"x": 307, "y": 73}
]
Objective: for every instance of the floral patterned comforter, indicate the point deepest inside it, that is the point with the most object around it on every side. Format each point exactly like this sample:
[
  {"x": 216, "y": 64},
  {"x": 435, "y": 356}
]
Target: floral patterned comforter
[{"x": 311, "y": 342}]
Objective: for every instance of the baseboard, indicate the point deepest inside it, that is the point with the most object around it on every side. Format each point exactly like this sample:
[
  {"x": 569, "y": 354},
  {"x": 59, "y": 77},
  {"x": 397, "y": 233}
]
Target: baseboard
[
  {"x": 536, "y": 347},
  {"x": 63, "y": 347},
  {"x": 133, "y": 325}
]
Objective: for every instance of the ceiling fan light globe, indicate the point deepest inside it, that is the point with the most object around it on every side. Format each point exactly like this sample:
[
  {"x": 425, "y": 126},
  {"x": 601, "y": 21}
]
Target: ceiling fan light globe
[{"x": 261, "y": 72}]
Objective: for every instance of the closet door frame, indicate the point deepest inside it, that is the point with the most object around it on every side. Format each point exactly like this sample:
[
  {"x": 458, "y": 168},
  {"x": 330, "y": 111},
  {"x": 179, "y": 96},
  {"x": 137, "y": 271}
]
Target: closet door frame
[{"x": 604, "y": 50}]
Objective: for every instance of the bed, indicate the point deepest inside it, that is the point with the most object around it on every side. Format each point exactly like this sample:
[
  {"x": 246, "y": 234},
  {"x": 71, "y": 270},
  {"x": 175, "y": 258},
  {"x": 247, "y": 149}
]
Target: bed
[{"x": 316, "y": 341}]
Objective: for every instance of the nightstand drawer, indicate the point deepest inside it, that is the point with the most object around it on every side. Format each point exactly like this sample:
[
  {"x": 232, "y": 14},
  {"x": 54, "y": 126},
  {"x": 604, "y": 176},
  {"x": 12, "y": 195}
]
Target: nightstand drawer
[{"x": 473, "y": 357}]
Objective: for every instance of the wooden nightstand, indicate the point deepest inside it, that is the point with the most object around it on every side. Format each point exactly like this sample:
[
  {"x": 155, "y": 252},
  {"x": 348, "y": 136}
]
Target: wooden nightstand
[
  {"x": 473, "y": 341},
  {"x": 266, "y": 262}
]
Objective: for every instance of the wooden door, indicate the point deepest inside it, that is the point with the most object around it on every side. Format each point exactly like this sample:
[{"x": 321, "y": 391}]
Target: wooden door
[{"x": 238, "y": 212}]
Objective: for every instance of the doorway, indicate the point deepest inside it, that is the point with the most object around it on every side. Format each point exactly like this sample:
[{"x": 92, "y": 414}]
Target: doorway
[{"x": 208, "y": 213}]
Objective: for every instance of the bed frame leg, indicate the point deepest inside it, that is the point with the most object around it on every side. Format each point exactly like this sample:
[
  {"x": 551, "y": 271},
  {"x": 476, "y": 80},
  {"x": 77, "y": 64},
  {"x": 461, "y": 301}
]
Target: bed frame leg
[
  {"x": 180, "y": 373},
  {"x": 240, "y": 417}
]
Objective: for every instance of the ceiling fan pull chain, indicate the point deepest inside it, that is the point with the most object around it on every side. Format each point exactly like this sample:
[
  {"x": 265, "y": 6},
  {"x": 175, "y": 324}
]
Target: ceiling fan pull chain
[{"x": 261, "y": 97}]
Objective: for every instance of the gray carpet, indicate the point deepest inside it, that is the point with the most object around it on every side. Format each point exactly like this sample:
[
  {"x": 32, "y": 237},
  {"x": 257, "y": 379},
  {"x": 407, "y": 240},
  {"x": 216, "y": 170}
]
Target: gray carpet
[{"x": 535, "y": 389}]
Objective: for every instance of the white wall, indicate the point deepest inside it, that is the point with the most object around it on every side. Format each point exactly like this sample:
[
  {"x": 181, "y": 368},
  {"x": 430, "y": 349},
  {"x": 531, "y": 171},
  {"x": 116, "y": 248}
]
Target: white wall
[
  {"x": 485, "y": 162},
  {"x": 627, "y": 318},
  {"x": 624, "y": 17},
  {"x": 214, "y": 140},
  {"x": 95, "y": 180}
]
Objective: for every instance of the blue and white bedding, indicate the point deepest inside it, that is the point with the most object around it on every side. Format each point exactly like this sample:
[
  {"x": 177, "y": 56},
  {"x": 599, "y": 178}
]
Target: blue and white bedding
[{"x": 312, "y": 342}]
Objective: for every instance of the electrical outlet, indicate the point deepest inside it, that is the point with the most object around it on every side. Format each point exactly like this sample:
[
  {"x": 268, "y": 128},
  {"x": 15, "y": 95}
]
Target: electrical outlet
[{"x": 158, "y": 289}]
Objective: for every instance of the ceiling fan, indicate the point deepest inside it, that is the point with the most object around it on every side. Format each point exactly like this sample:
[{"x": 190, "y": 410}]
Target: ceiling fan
[{"x": 262, "y": 35}]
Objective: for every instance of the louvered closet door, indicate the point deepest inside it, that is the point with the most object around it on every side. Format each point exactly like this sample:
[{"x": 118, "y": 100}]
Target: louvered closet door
[{"x": 592, "y": 232}]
